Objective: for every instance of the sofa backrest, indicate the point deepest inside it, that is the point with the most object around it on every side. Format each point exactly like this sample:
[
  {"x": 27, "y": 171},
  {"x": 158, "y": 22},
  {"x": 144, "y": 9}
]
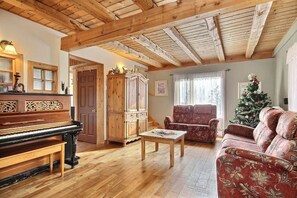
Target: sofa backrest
[
  {"x": 284, "y": 145},
  {"x": 183, "y": 113},
  {"x": 266, "y": 129},
  {"x": 202, "y": 114}
]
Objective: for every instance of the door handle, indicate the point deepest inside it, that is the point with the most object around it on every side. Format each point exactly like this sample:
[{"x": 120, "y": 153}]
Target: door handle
[{"x": 94, "y": 110}]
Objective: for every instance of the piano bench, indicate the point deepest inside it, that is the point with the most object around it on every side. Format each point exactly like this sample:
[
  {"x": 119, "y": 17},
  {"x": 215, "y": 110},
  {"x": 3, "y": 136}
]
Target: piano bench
[{"x": 22, "y": 153}]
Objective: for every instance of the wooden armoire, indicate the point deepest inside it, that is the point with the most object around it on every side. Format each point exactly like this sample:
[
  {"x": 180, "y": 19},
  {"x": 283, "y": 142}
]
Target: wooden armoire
[{"x": 127, "y": 106}]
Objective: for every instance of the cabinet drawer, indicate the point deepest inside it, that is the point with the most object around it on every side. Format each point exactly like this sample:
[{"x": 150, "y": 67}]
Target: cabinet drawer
[
  {"x": 142, "y": 115},
  {"x": 130, "y": 116}
]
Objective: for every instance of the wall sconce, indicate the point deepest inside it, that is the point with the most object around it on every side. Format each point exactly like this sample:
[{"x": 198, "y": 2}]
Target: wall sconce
[{"x": 8, "y": 47}]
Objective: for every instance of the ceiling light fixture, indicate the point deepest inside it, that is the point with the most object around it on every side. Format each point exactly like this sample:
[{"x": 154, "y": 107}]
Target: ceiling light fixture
[{"x": 8, "y": 47}]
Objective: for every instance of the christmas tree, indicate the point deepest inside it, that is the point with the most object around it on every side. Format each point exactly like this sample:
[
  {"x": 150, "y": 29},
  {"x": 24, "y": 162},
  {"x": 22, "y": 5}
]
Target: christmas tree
[{"x": 251, "y": 102}]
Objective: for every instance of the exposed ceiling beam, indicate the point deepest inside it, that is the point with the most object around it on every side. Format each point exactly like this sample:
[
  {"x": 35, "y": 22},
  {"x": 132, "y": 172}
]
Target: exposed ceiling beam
[
  {"x": 127, "y": 50},
  {"x": 48, "y": 13},
  {"x": 260, "y": 16},
  {"x": 229, "y": 59},
  {"x": 144, "y": 4},
  {"x": 156, "y": 18},
  {"x": 142, "y": 40},
  {"x": 95, "y": 9},
  {"x": 183, "y": 44},
  {"x": 216, "y": 38}
]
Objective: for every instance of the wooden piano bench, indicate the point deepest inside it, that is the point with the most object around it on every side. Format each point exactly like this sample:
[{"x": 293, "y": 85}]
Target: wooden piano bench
[{"x": 22, "y": 153}]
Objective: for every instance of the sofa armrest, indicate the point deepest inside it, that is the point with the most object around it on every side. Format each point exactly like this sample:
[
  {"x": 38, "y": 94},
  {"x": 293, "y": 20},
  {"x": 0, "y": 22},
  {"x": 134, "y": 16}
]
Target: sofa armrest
[
  {"x": 261, "y": 157},
  {"x": 244, "y": 173},
  {"x": 213, "y": 123},
  {"x": 241, "y": 130},
  {"x": 167, "y": 121}
]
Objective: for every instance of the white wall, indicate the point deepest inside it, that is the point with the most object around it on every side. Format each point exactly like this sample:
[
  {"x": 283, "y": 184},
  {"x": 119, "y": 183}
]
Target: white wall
[
  {"x": 281, "y": 80},
  {"x": 159, "y": 107},
  {"x": 36, "y": 42},
  {"x": 41, "y": 44}
]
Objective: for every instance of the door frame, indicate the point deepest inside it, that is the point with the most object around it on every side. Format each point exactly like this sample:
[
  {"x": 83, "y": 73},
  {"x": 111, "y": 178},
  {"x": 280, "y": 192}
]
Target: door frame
[{"x": 99, "y": 96}]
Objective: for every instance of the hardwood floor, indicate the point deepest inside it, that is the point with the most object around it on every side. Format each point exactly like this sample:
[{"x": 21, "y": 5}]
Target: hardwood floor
[{"x": 116, "y": 171}]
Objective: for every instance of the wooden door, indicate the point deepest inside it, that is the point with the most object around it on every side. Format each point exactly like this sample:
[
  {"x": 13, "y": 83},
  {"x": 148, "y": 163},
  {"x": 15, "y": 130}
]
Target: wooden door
[{"x": 87, "y": 105}]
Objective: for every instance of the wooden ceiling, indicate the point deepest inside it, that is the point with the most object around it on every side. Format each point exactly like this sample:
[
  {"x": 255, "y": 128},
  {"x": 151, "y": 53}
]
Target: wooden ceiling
[{"x": 165, "y": 34}]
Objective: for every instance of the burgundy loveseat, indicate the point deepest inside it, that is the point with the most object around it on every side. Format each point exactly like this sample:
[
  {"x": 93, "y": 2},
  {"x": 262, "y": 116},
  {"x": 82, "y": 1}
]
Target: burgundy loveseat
[
  {"x": 259, "y": 162},
  {"x": 198, "y": 120}
]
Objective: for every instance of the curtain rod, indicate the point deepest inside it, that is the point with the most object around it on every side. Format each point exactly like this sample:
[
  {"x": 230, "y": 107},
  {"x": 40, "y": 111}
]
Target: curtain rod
[{"x": 226, "y": 70}]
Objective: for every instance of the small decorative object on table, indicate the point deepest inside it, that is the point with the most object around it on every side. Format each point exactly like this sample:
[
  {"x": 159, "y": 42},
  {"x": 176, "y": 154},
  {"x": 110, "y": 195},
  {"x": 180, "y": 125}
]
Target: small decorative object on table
[
  {"x": 63, "y": 86},
  {"x": 17, "y": 84}
]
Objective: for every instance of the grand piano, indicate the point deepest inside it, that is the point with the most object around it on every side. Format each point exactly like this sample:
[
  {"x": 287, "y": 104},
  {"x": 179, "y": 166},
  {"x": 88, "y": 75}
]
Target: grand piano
[{"x": 31, "y": 117}]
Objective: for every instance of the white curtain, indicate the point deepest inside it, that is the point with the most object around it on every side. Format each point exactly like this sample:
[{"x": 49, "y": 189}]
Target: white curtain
[
  {"x": 292, "y": 78},
  {"x": 201, "y": 88}
]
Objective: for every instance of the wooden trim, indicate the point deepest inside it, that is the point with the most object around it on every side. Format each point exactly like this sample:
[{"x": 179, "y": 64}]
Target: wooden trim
[
  {"x": 100, "y": 96},
  {"x": 183, "y": 44},
  {"x": 213, "y": 31},
  {"x": 260, "y": 16},
  {"x": 145, "y": 42},
  {"x": 231, "y": 59},
  {"x": 161, "y": 17},
  {"x": 43, "y": 66}
]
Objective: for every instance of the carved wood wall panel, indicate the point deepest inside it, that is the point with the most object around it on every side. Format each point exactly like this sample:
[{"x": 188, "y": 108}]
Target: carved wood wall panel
[
  {"x": 46, "y": 105},
  {"x": 8, "y": 106}
]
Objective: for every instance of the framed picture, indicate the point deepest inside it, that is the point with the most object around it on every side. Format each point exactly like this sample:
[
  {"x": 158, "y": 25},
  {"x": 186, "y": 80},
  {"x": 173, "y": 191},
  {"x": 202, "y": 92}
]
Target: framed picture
[
  {"x": 161, "y": 88},
  {"x": 242, "y": 86}
]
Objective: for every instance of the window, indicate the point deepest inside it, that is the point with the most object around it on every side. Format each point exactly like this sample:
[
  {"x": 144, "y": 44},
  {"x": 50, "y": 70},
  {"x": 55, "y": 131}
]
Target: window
[
  {"x": 201, "y": 88},
  {"x": 42, "y": 78},
  {"x": 6, "y": 73}
]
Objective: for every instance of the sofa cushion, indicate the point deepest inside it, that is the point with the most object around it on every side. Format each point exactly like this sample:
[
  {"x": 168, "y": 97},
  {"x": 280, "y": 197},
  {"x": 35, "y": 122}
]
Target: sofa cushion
[
  {"x": 287, "y": 125},
  {"x": 178, "y": 126},
  {"x": 202, "y": 114},
  {"x": 238, "y": 138},
  {"x": 198, "y": 132},
  {"x": 265, "y": 130},
  {"x": 183, "y": 113},
  {"x": 240, "y": 144},
  {"x": 283, "y": 148}
]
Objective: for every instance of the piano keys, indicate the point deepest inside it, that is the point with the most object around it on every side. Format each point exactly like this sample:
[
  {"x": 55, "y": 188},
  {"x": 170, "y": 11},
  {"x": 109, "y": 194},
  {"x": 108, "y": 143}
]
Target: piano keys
[{"x": 28, "y": 117}]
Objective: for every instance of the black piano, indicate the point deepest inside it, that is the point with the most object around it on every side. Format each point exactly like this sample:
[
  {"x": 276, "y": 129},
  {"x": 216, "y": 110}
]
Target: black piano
[{"x": 30, "y": 117}]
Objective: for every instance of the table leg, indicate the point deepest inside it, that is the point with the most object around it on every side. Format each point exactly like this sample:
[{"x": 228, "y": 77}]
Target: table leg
[
  {"x": 171, "y": 154},
  {"x": 142, "y": 148},
  {"x": 182, "y": 146},
  {"x": 51, "y": 162},
  {"x": 156, "y": 146}
]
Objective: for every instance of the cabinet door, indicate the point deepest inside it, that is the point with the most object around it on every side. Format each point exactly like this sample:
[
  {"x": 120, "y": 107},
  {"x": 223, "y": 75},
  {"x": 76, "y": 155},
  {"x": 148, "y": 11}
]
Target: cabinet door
[
  {"x": 115, "y": 94},
  {"x": 131, "y": 129},
  {"x": 142, "y": 123},
  {"x": 116, "y": 127},
  {"x": 142, "y": 94},
  {"x": 131, "y": 92}
]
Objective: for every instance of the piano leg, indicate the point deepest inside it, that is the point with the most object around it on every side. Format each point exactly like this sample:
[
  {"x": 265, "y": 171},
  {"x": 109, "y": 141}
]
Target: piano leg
[{"x": 70, "y": 151}]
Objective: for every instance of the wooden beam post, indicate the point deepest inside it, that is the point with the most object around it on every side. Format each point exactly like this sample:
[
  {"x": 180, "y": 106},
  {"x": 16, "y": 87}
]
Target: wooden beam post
[
  {"x": 183, "y": 44},
  {"x": 156, "y": 18},
  {"x": 216, "y": 38},
  {"x": 144, "y": 4},
  {"x": 142, "y": 40},
  {"x": 48, "y": 13},
  {"x": 260, "y": 16},
  {"x": 127, "y": 50}
]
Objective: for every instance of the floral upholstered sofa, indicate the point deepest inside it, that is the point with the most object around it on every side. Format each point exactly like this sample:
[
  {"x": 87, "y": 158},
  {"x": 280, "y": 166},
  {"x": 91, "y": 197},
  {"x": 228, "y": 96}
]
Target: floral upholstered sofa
[
  {"x": 198, "y": 120},
  {"x": 259, "y": 162}
]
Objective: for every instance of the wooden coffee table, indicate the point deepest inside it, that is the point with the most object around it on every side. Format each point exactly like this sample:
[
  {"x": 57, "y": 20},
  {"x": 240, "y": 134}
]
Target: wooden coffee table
[{"x": 164, "y": 136}]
